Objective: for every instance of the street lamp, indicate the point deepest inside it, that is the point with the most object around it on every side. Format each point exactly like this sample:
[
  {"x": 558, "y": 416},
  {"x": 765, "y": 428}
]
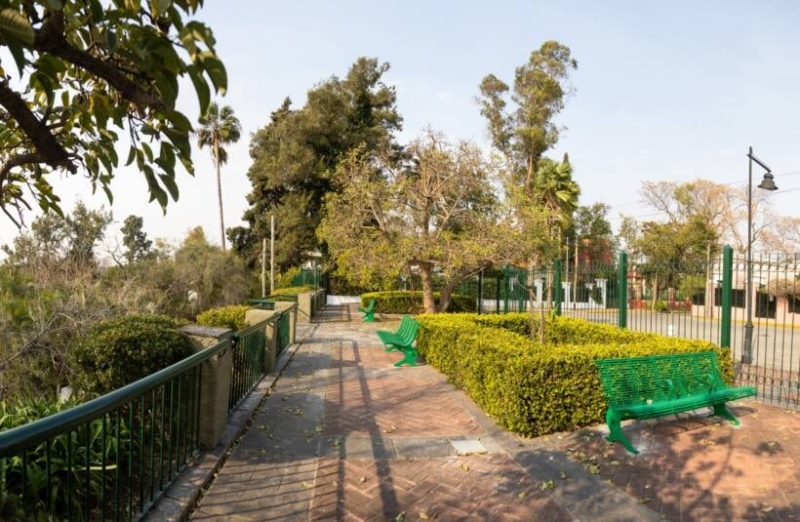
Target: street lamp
[{"x": 768, "y": 183}]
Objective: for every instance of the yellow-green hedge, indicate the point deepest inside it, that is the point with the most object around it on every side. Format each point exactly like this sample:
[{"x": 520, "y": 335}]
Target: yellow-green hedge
[
  {"x": 232, "y": 317},
  {"x": 408, "y": 302},
  {"x": 535, "y": 389}
]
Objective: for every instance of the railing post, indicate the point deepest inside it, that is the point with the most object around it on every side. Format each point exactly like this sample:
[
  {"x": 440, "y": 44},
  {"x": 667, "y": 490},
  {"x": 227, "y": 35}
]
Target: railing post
[
  {"x": 727, "y": 297},
  {"x": 557, "y": 287},
  {"x": 255, "y": 316},
  {"x": 480, "y": 292},
  {"x": 505, "y": 289},
  {"x": 622, "y": 290},
  {"x": 215, "y": 382},
  {"x": 304, "y": 309}
]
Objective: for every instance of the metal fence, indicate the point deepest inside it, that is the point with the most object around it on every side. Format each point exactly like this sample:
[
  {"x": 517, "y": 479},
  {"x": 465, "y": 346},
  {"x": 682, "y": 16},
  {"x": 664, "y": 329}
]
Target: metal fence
[
  {"x": 284, "y": 335},
  {"x": 109, "y": 458},
  {"x": 709, "y": 300},
  {"x": 247, "y": 369}
]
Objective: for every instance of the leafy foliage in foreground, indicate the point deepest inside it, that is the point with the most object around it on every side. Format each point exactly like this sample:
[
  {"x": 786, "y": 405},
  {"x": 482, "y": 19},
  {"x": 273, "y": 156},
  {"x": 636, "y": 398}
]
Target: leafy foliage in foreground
[{"x": 88, "y": 70}]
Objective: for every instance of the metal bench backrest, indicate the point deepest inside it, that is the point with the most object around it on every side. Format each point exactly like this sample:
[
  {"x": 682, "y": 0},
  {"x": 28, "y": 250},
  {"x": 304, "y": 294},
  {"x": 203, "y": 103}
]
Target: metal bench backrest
[
  {"x": 408, "y": 329},
  {"x": 645, "y": 380}
]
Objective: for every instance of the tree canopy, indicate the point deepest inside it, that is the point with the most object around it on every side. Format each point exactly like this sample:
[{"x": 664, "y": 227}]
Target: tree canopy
[
  {"x": 295, "y": 158},
  {"x": 85, "y": 73},
  {"x": 524, "y": 129},
  {"x": 434, "y": 213}
]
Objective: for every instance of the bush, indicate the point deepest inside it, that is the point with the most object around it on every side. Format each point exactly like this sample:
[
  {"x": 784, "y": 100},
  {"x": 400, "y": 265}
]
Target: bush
[
  {"x": 534, "y": 389},
  {"x": 232, "y": 317},
  {"x": 410, "y": 302},
  {"x": 120, "y": 351}
]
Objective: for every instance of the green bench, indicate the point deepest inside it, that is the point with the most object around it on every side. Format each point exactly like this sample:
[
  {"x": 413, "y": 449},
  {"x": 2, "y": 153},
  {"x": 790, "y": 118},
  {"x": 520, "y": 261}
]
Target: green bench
[
  {"x": 402, "y": 339},
  {"x": 369, "y": 312},
  {"x": 648, "y": 387}
]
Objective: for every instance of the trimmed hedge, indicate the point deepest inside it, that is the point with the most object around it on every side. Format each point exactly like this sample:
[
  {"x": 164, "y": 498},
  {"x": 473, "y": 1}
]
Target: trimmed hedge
[
  {"x": 408, "y": 302},
  {"x": 534, "y": 389},
  {"x": 232, "y": 317}
]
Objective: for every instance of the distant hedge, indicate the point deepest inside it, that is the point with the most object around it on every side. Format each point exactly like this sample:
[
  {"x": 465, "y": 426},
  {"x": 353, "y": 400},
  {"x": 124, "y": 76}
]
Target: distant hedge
[
  {"x": 232, "y": 317},
  {"x": 410, "y": 302},
  {"x": 533, "y": 388}
]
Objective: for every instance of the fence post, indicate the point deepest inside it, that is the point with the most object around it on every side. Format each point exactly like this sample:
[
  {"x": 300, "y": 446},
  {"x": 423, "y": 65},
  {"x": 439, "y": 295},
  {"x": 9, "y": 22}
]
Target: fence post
[
  {"x": 480, "y": 292},
  {"x": 505, "y": 289},
  {"x": 557, "y": 287},
  {"x": 727, "y": 297},
  {"x": 622, "y": 291}
]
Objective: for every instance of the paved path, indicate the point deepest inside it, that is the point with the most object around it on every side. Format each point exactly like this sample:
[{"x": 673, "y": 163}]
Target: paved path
[{"x": 344, "y": 435}]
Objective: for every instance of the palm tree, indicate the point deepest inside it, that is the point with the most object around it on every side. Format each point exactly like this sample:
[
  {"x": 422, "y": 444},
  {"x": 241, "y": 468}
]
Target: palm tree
[
  {"x": 557, "y": 192},
  {"x": 217, "y": 128}
]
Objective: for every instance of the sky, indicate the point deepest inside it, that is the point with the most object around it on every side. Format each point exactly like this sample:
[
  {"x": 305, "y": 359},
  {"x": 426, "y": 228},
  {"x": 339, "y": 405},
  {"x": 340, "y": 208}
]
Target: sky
[{"x": 663, "y": 91}]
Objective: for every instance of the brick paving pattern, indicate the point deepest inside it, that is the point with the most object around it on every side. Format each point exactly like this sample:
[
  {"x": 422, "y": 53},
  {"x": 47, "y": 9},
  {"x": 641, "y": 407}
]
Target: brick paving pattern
[
  {"x": 344, "y": 435},
  {"x": 701, "y": 468}
]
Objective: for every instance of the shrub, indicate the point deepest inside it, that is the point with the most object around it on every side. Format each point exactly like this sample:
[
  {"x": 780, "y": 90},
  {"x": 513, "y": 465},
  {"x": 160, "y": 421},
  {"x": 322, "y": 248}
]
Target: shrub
[
  {"x": 232, "y": 317},
  {"x": 536, "y": 389},
  {"x": 119, "y": 351}
]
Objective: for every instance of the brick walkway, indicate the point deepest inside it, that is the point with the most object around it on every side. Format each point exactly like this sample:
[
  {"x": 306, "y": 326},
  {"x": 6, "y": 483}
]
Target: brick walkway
[{"x": 346, "y": 436}]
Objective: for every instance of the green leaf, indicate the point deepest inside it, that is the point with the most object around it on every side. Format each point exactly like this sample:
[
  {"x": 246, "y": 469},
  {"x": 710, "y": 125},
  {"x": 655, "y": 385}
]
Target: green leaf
[
  {"x": 200, "y": 87},
  {"x": 169, "y": 181},
  {"x": 159, "y": 7},
  {"x": 14, "y": 27},
  {"x": 215, "y": 70}
]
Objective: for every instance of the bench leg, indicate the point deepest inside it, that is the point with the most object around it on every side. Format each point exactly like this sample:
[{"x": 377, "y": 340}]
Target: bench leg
[
  {"x": 409, "y": 359},
  {"x": 720, "y": 410},
  {"x": 369, "y": 317},
  {"x": 615, "y": 431},
  {"x": 390, "y": 348}
]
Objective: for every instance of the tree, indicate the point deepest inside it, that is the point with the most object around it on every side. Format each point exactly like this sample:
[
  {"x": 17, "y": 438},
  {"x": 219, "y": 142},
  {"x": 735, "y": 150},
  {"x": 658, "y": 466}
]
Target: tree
[
  {"x": 433, "y": 213},
  {"x": 594, "y": 235},
  {"x": 555, "y": 191},
  {"x": 85, "y": 72},
  {"x": 134, "y": 239},
  {"x": 525, "y": 131},
  {"x": 295, "y": 159},
  {"x": 783, "y": 237},
  {"x": 50, "y": 294},
  {"x": 219, "y": 127}
]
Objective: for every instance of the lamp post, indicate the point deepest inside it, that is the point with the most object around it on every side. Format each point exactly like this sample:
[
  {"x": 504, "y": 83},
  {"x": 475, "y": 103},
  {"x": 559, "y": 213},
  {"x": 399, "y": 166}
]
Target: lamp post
[{"x": 768, "y": 183}]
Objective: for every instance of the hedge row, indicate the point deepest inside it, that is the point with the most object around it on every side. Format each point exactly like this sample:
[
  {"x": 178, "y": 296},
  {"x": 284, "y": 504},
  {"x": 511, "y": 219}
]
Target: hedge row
[
  {"x": 408, "y": 302},
  {"x": 531, "y": 388},
  {"x": 232, "y": 317}
]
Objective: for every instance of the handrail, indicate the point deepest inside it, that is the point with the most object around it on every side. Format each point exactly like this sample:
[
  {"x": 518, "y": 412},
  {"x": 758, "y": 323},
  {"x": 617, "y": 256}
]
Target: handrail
[
  {"x": 257, "y": 326},
  {"x": 38, "y": 431}
]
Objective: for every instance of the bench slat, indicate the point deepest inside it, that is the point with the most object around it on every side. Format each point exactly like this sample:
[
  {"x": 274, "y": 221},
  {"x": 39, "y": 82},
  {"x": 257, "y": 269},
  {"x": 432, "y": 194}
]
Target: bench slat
[{"x": 402, "y": 339}]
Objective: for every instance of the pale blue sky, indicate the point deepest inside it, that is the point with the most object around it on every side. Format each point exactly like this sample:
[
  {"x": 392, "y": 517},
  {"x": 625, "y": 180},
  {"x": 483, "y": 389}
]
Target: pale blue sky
[{"x": 664, "y": 90}]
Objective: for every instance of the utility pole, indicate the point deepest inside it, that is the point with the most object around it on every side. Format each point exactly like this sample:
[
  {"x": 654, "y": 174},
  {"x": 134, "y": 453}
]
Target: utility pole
[
  {"x": 264, "y": 267},
  {"x": 272, "y": 254}
]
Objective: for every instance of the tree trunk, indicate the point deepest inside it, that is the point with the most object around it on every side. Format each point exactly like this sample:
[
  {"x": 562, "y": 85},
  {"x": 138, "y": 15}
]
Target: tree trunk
[
  {"x": 428, "y": 302},
  {"x": 219, "y": 195}
]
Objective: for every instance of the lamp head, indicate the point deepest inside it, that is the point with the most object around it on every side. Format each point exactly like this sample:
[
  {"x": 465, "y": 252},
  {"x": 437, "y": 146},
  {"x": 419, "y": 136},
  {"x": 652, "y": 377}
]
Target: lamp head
[{"x": 768, "y": 183}]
